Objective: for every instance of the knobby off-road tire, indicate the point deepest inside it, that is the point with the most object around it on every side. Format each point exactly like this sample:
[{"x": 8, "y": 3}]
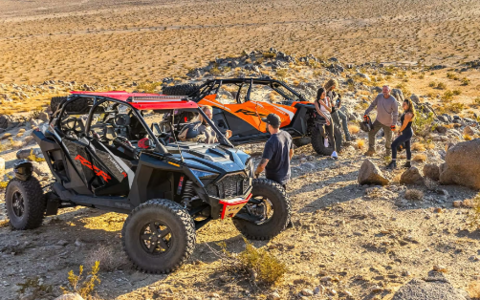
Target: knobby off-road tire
[
  {"x": 25, "y": 203},
  {"x": 188, "y": 89},
  {"x": 318, "y": 142},
  {"x": 281, "y": 215},
  {"x": 55, "y": 102},
  {"x": 77, "y": 106},
  {"x": 300, "y": 142},
  {"x": 182, "y": 239}
]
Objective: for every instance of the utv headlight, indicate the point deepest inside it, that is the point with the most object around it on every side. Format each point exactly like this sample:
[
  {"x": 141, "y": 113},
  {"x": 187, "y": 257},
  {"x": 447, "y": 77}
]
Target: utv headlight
[{"x": 200, "y": 174}]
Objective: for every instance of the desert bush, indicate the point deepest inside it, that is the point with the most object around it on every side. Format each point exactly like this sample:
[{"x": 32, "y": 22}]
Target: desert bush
[
  {"x": 255, "y": 264},
  {"x": 452, "y": 76},
  {"x": 360, "y": 144},
  {"x": 414, "y": 195},
  {"x": 215, "y": 71},
  {"x": 353, "y": 129},
  {"x": 423, "y": 122},
  {"x": 32, "y": 157},
  {"x": 467, "y": 137},
  {"x": 441, "y": 86},
  {"x": 420, "y": 158},
  {"x": 282, "y": 73},
  {"x": 476, "y": 101},
  {"x": 418, "y": 147},
  {"x": 447, "y": 96},
  {"x": 106, "y": 255},
  {"x": 455, "y": 107},
  {"x": 84, "y": 286},
  {"x": 148, "y": 87},
  {"x": 457, "y": 92},
  {"x": 465, "y": 81},
  {"x": 269, "y": 54},
  {"x": 432, "y": 84}
]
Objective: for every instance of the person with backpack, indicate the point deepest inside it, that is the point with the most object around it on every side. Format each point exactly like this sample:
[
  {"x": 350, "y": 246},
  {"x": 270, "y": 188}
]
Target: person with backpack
[
  {"x": 406, "y": 134},
  {"x": 387, "y": 118},
  {"x": 339, "y": 118},
  {"x": 324, "y": 109}
]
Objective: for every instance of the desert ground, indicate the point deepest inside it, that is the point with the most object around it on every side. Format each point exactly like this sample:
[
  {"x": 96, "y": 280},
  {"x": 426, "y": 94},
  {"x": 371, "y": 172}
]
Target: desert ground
[{"x": 348, "y": 241}]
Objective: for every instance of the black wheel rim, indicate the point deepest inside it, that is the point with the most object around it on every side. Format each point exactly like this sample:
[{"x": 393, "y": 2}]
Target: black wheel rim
[
  {"x": 156, "y": 238},
  {"x": 261, "y": 208},
  {"x": 18, "y": 204}
]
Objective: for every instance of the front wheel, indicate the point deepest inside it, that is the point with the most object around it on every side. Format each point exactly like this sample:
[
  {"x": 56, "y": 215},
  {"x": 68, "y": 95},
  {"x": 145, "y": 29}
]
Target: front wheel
[
  {"x": 25, "y": 203},
  {"x": 266, "y": 214},
  {"x": 318, "y": 141},
  {"x": 159, "y": 236}
]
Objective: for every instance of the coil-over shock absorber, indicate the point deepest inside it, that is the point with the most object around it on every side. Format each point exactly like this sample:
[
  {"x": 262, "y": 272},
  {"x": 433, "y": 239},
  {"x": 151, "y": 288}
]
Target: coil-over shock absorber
[{"x": 188, "y": 193}]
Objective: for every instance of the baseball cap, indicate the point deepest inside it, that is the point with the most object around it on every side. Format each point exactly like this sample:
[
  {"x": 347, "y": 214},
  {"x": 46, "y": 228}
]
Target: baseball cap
[{"x": 273, "y": 120}]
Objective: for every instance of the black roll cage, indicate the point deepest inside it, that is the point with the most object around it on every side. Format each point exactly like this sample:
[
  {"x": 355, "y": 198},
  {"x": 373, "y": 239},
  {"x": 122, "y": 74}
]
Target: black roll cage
[
  {"x": 213, "y": 86},
  {"x": 159, "y": 147}
]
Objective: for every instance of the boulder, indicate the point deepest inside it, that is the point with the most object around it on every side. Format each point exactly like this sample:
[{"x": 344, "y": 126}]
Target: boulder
[
  {"x": 434, "y": 287},
  {"x": 5, "y": 121},
  {"x": 364, "y": 76},
  {"x": 398, "y": 94},
  {"x": 23, "y": 154},
  {"x": 415, "y": 98},
  {"x": 70, "y": 297},
  {"x": 43, "y": 116},
  {"x": 441, "y": 129},
  {"x": 370, "y": 174},
  {"x": 468, "y": 131},
  {"x": 462, "y": 165},
  {"x": 431, "y": 171},
  {"x": 411, "y": 176}
]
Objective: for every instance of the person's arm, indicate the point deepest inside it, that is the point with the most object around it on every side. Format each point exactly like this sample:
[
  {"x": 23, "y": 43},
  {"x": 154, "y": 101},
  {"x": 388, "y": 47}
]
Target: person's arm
[
  {"x": 319, "y": 111},
  {"x": 328, "y": 107},
  {"x": 372, "y": 106},
  {"x": 406, "y": 120},
  {"x": 267, "y": 155},
  {"x": 395, "y": 113},
  {"x": 291, "y": 154}
]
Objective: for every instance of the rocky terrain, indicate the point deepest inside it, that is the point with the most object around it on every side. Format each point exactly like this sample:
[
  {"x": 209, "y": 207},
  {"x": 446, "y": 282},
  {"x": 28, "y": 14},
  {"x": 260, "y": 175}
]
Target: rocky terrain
[{"x": 360, "y": 232}]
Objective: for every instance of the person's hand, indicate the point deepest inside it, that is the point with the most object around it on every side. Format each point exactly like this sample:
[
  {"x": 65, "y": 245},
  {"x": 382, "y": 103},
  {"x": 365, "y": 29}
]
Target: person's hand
[
  {"x": 328, "y": 122},
  {"x": 228, "y": 134},
  {"x": 257, "y": 174}
]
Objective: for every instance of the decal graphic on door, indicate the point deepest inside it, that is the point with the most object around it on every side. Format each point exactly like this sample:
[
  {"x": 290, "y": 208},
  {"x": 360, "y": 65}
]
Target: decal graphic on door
[{"x": 89, "y": 165}]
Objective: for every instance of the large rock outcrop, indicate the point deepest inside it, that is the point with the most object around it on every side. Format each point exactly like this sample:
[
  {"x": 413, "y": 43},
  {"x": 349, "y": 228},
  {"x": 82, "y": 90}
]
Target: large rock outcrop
[
  {"x": 370, "y": 174},
  {"x": 434, "y": 287},
  {"x": 462, "y": 165}
]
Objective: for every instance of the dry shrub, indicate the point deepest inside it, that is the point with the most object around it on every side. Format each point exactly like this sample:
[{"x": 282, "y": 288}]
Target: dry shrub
[
  {"x": 474, "y": 290},
  {"x": 106, "y": 255},
  {"x": 255, "y": 264},
  {"x": 467, "y": 137},
  {"x": 354, "y": 129},
  {"x": 420, "y": 158},
  {"x": 3, "y": 223},
  {"x": 360, "y": 144},
  {"x": 431, "y": 184},
  {"x": 81, "y": 284},
  {"x": 418, "y": 147},
  {"x": 414, "y": 195}
]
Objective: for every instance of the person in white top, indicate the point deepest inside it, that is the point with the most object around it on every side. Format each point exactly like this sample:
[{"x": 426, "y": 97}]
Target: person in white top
[{"x": 323, "y": 106}]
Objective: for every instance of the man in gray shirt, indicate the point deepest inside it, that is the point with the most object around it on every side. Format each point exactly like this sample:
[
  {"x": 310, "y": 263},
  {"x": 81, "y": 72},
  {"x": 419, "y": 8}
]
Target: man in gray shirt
[{"x": 387, "y": 118}]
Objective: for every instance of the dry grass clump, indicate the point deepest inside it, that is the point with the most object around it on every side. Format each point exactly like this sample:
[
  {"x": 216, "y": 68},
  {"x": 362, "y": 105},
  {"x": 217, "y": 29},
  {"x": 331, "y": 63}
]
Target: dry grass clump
[
  {"x": 106, "y": 255},
  {"x": 4, "y": 223},
  {"x": 414, "y": 195},
  {"x": 360, "y": 144},
  {"x": 467, "y": 137},
  {"x": 474, "y": 290},
  {"x": 258, "y": 265},
  {"x": 420, "y": 158},
  {"x": 354, "y": 129},
  {"x": 81, "y": 284},
  {"x": 418, "y": 147}
]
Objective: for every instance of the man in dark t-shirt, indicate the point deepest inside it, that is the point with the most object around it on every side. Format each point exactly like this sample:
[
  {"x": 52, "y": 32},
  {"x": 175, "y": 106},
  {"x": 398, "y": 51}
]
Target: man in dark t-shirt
[{"x": 277, "y": 153}]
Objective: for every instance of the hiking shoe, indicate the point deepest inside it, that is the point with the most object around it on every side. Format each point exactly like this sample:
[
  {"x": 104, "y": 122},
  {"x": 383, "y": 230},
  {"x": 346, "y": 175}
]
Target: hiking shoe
[
  {"x": 334, "y": 155},
  {"x": 370, "y": 153},
  {"x": 325, "y": 143},
  {"x": 407, "y": 165},
  {"x": 351, "y": 138},
  {"x": 392, "y": 165}
]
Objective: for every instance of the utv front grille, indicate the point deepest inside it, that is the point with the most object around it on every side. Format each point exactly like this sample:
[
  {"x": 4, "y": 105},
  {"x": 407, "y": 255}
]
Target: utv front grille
[{"x": 230, "y": 186}]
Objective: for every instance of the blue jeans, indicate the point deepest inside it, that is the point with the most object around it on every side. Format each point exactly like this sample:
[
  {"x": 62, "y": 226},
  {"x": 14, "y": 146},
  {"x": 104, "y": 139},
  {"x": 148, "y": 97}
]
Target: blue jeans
[
  {"x": 405, "y": 137},
  {"x": 341, "y": 120}
]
